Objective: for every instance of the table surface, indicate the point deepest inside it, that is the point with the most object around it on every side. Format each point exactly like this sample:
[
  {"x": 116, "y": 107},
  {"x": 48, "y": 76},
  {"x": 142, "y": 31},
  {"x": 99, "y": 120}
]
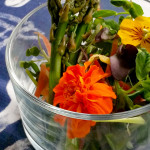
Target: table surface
[{"x": 12, "y": 136}]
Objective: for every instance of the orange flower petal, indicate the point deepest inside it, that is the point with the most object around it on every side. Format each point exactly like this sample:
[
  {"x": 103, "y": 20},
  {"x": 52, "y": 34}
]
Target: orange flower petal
[
  {"x": 94, "y": 74},
  {"x": 46, "y": 42},
  {"x": 108, "y": 71},
  {"x": 58, "y": 100},
  {"x": 101, "y": 89},
  {"x": 114, "y": 47},
  {"x": 60, "y": 119},
  {"x": 99, "y": 108},
  {"x": 79, "y": 91},
  {"x": 45, "y": 92},
  {"x": 87, "y": 64},
  {"x": 78, "y": 128},
  {"x": 42, "y": 81}
]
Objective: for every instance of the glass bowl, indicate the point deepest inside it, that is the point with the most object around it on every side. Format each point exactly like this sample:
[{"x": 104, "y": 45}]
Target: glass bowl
[{"x": 118, "y": 131}]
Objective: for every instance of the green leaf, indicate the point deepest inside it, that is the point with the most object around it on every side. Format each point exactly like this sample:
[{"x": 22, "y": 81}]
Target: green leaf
[
  {"x": 28, "y": 72},
  {"x": 135, "y": 120},
  {"x": 98, "y": 21},
  {"x": 112, "y": 24},
  {"x": 24, "y": 64},
  {"x": 34, "y": 66},
  {"x": 143, "y": 133},
  {"x": 147, "y": 95},
  {"x": 136, "y": 10},
  {"x": 104, "y": 13},
  {"x": 105, "y": 46},
  {"x": 147, "y": 67},
  {"x": 146, "y": 84},
  {"x": 115, "y": 142},
  {"x": 34, "y": 51},
  {"x": 136, "y": 106},
  {"x": 136, "y": 93},
  {"x": 142, "y": 65},
  {"x": 121, "y": 19},
  {"x": 123, "y": 102},
  {"x": 122, "y": 3}
]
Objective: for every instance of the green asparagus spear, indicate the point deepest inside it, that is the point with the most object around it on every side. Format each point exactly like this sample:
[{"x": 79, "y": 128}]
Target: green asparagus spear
[
  {"x": 54, "y": 7},
  {"x": 55, "y": 61},
  {"x": 61, "y": 21},
  {"x": 86, "y": 16}
]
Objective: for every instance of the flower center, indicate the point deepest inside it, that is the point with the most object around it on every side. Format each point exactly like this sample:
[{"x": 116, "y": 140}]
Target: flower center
[
  {"x": 72, "y": 87},
  {"x": 145, "y": 33},
  {"x": 69, "y": 91}
]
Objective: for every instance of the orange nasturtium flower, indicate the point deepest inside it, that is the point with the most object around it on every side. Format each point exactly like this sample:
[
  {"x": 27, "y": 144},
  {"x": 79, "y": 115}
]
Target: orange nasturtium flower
[
  {"x": 83, "y": 91},
  {"x": 136, "y": 32}
]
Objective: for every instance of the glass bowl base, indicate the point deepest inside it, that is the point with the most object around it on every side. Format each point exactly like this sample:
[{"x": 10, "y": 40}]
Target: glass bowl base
[{"x": 33, "y": 143}]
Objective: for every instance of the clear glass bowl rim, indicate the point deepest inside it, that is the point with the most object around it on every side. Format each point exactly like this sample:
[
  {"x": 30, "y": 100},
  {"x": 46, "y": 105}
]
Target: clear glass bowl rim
[{"x": 51, "y": 108}]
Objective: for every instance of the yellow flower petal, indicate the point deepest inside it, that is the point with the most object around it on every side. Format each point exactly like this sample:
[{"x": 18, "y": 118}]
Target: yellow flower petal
[
  {"x": 136, "y": 32},
  {"x": 126, "y": 38},
  {"x": 102, "y": 58},
  {"x": 146, "y": 42},
  {"x": 129, "y": 24},
  {"x": 130, "y": 32},
  {"x": 144, "y": 21}
]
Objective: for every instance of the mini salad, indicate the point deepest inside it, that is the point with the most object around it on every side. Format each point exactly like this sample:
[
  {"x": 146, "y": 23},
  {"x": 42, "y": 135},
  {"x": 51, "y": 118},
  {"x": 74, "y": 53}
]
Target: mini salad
[{"x": 92, "y": 64}]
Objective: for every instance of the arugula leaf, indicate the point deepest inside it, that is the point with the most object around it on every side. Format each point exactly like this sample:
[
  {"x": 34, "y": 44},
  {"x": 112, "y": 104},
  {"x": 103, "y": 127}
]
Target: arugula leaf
[
  {"x": 104, "y": 13},
  {"x": 34, "y": 51},
  {"x": 142, "y": 65}
]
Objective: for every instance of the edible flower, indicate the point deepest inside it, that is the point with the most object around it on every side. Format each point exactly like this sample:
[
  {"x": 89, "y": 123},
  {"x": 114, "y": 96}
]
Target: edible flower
[
  {"x": 42, "y": 85},
  {"x": 76, "y": 128},
  {"x": 136, "y": 32},
  {"x": 45, "y": 41},
  {"x": 83, "y": 91}
]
